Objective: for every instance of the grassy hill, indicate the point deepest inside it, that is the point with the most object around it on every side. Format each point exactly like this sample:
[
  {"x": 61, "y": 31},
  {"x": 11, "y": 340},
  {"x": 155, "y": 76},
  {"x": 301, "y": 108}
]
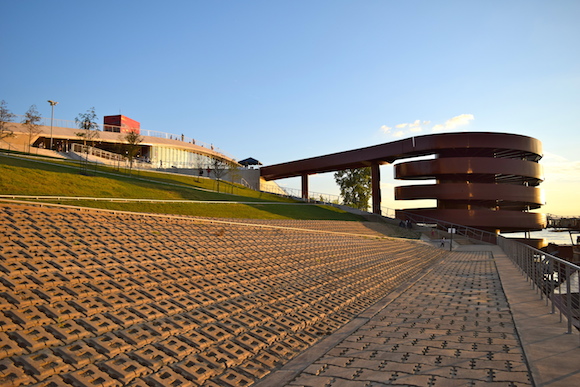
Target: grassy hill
[{"x": 197, "y": 196}]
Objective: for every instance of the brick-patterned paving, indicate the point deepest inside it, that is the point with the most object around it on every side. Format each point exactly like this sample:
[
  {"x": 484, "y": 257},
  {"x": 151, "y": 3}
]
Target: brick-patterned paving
[
  {"x": 451, "y": 328},
  {"x": 89, "y": 298}
]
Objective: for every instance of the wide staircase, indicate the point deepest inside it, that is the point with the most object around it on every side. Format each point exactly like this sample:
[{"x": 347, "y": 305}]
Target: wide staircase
[{"x": 97, "y": 298}]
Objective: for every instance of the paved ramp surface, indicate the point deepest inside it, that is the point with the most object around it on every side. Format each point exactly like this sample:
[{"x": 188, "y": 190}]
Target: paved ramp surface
[
  {"x": 452, "y": 327},
  {"x": 91, "y": 298}
]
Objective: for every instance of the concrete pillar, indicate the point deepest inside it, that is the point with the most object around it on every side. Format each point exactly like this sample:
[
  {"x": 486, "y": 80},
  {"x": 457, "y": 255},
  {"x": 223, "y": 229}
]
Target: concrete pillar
[
  {"x": 376, "y": 188},
  {"x": 305, "y": 186}
]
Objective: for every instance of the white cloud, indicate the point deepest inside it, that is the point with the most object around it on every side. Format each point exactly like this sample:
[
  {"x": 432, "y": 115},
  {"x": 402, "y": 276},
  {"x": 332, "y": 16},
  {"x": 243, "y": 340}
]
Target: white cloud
[
  {"x": 559, "y": 169},
  {"x": 452, "y": 123},
  {"x": 418, "y": 126},
  {"x": 415, "y": 124}
]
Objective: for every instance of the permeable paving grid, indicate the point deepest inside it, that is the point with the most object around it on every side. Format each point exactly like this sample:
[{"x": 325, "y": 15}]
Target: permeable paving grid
[{"x": 453, "y": 327}]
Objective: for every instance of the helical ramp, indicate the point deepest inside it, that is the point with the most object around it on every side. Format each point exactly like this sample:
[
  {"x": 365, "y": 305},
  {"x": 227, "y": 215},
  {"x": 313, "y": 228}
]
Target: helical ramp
[
  {"x": 484, "y": 180},
  {"x": 487, "y": 181}
]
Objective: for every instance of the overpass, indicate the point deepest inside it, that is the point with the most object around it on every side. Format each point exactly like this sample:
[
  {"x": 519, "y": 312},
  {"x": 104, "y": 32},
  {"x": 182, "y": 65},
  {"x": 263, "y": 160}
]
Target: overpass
[{"x": 484, "y": 180}]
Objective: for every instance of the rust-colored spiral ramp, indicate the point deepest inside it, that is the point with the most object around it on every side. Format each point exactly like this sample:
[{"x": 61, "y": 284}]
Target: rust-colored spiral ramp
[{"x": 483, "y": 180}]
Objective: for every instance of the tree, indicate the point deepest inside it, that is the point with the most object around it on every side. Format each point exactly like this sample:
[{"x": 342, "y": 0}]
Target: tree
[
  {"x": 133, "y": 140},
  {"x": 5, "y": 117},
  {"x": 220, "y": 169},
  {"x": 88, "y": 123},
  {"x": 90, "y": 130},
  {"x": 31, "y": 124},
  {"x": 355, "y": 187}
]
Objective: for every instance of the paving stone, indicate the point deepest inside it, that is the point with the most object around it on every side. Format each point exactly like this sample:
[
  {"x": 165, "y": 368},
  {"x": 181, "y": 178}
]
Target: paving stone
[
  {"x": 29, "y": 317},
  {"x": 12, "y": 375},
  {"x": 34, "y": 339},
  {"x": 234, "y": 378},
  {"x": 184, "y": 324},
  {"x": 199, "y": 316},
  {"x": 166, "y": 377},
  {"x": 268, "y": 359},
  {"x": 176, "y": 347},
  {"x": 79, "y": 354},
  {"x": 9, "y": 347},
  {"x": 197, "y": 339},
  {"x": 60, "y": 311},
  {"x": 139, "y": 382},
  {"x": 90, "y": 376},
  {"x": 52, "y": 381},
  {"x": 196, "y": 369},
  {"x": 124, "y": 369},
  {"x": 253, "y": 369},
  {"x": 98, "y": 324},
  {"x": 109, "y": 344},
  {"x": 306, "y": 380},
  {"x": 151, "y": 357},
  {"x": 124, "y": 317},
  {"x": 42, "y": 364},
  {"x": 68, "y": 331}
]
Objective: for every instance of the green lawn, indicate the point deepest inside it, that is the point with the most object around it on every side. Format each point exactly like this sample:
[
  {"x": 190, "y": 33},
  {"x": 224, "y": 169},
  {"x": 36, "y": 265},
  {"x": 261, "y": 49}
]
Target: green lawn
[
  {"x": 223, "y": 210},
  {"x": 56, "y": 178},
  {"x": 27, "y": 177}
]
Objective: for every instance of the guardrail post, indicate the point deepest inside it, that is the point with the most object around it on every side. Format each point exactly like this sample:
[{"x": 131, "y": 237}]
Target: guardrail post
[
  {"x": 552, "y": 284},
  {"x": 569, "y": 298}
]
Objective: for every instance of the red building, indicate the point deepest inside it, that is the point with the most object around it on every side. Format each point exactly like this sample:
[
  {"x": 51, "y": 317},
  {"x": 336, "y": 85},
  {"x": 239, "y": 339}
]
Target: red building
[{"x": 121, "y": 124}]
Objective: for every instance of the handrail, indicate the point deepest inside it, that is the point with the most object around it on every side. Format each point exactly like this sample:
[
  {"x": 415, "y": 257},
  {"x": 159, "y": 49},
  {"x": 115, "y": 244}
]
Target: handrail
[
  {"x": 553, "y": 278},
  {"x": 468, "y": 232},
  {"x": 87, "y": 149}
]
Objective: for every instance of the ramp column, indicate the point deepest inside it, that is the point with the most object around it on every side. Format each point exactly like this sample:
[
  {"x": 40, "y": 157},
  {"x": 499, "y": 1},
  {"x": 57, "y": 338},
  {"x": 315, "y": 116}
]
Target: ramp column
[
  {"x": 376, "y": 187},
  {"x": 305, "y": 186}
]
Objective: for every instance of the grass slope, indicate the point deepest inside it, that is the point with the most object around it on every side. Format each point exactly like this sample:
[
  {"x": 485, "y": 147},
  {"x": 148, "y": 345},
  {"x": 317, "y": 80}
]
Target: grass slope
[{"x": 20, "y": 176}]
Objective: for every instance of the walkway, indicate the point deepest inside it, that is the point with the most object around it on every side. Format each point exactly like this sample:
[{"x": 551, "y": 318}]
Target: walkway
[
  {"x": 106, "y": 298},
  {"x": 452, "y": 327}
]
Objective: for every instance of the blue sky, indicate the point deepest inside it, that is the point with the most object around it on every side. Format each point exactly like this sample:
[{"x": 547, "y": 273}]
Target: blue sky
[{"x": 284, "y": 80}]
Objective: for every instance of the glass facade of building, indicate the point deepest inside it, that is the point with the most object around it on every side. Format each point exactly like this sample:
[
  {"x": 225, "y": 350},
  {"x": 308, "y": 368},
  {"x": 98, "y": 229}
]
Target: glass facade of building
[{"x": 168, "y": 157}]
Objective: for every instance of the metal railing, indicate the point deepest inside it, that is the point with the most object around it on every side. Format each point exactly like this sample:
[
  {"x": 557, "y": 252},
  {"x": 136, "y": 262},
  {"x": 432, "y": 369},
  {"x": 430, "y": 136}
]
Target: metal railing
[
  {"x": 144, "y": 132},
  {"x": 468, "y": 232},
  {"x": 87, "y": 149},
  {"x": 312, "y": 196},
  {"x": 556, "y": 280}
]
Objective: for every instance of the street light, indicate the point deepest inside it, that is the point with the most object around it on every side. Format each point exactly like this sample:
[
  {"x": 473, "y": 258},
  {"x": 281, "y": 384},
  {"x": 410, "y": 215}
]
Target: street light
[{"x": 52, "y": 103}]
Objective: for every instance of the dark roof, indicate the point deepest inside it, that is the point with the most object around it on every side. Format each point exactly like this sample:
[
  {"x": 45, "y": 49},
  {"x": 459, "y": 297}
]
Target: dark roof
[{"x": 250, "y": 161}]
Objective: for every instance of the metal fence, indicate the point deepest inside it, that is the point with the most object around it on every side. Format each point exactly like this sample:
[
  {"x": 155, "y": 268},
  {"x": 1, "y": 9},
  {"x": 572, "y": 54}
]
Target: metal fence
[{"x": 554, "y": 279}]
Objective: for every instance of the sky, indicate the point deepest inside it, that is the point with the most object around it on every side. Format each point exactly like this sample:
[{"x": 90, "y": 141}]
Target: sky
[{"x": 290, "y": 79}]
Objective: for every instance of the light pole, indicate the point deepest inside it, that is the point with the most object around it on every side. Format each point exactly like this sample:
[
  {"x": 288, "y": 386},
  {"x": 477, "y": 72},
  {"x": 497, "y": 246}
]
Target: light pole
[{"x": 52, "y": 103}]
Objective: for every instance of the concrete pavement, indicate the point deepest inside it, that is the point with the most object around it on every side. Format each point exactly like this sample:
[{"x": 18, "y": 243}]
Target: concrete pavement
[{"x": 471, "y": 320}]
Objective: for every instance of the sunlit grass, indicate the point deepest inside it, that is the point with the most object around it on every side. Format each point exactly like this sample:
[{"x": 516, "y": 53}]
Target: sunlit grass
[{"x": 26, "y": 177}]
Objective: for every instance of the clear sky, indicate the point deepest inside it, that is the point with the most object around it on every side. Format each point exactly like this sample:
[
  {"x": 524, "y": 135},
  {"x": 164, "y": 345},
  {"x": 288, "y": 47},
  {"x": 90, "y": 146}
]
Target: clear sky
[{"x": 290, "y": 79}]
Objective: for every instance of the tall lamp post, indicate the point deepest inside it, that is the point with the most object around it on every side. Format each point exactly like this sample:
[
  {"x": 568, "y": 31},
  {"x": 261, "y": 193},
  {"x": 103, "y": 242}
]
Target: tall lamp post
[{"x": 52, "y": 103}]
